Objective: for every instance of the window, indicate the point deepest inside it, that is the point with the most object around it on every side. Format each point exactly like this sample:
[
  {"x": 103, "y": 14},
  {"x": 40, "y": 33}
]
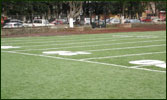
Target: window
[
  {"x": 16, "y": 25},
  {"x": 115, "y": 20},
  {"x": 46, "y": 22},
  {"x": 38, "y": 21}
]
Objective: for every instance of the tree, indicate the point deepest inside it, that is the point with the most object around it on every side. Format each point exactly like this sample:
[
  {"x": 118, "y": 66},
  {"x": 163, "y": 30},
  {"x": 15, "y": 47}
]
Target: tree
[
  {"x": 132, "y": 9},
  {"x": 160, "y": 6},
  {"x": 75, "y": 10}
]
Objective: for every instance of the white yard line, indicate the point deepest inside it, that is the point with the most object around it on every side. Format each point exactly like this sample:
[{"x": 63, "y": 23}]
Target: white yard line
[
  {"x": 146, "y": 36},
  {"x": 139, "y": 66},
  {"x": 60, "y": 41},
  {"x": 76, "y": 42},
  {"x": 124, "y": 66},
  {"x": 24, "y": 39},
  {"x": 55, "y": 40},
  {"x": 85, "y": 61},
  {"x": 147, "y": 46},
  {"x": 91, "y": 45},
  {"x": 66, "y": 37},
  {"x": 67, "y": 40},
  {"x": 128, "y": 55}
]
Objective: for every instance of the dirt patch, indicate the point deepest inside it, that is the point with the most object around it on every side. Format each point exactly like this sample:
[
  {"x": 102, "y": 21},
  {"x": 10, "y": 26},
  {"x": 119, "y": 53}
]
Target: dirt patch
[{"x": 134, "y": 28}]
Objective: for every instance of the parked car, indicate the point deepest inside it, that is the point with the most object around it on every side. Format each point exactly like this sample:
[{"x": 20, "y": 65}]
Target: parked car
[
  {"x": 146, "y": 19},
  {"x": 134, "y": 21},
  {"x": 87, "y": 21},
  {"x": 41, "y": 22},
  {"x": 16, "y": 20},
  {"x": 101, "y": 24},
  {"x": 4, "y": 21},
  {"x": 126, "y": 21},
  {"x": 13, "y": 25},
  {"x": 28, "y": 24},
  {"x": 156, "y": 20},
  {"x": 108, "y": 20},
  {"x": 115, "y": 21},
  {"x": 59, "y": 21}
]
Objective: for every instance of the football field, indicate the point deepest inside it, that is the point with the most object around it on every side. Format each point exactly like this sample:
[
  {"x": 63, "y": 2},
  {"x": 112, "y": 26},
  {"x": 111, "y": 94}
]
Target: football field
[{"x": 129, "y": 65}]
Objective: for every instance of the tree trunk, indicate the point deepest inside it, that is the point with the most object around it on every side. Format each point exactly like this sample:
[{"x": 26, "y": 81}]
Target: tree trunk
[
  {"x": 24, "y": 18},
  {"x": 122, "y": 19},
  {"x": 49, "y": 13},
  {"x": 105, "y": 20},
  {"x": 71, "y": 22},
  {"x": 98, "y": 19},
  {"x": 156, "y": 10},
  {"x": 75, "y": 9}
]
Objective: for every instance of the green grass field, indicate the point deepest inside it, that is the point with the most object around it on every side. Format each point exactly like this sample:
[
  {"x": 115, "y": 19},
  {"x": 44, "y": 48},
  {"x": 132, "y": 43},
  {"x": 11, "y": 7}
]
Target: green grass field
[{"x": 104, "y": 72}]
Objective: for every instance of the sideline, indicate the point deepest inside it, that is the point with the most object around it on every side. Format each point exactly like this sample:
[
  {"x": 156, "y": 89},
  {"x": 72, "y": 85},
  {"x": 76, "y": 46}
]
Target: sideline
[
  {"x": 90, "y": 45},
  {"x": 78, "y": 42},
  {"x": 26, "y": 39},
  {"x": 72, "y": 40}
]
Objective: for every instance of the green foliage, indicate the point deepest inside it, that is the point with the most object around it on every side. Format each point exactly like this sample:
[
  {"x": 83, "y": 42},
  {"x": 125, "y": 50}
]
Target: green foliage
[
  {"x": 161, "y": 5},
  {"x": 33, "y": 7}
]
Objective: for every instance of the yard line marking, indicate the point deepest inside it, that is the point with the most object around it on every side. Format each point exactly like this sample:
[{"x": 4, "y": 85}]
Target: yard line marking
[
  {"x": 48, "y": 39},
  {"x": 84, "y": 61},
  {"x": 146, "y": 36},
  {"x": 97, "y": 41},
  {"x": 91, "y": 45},
  {"x": 71, "y": 40},
  {"x": 59, "y": 37},
  {"x": 58, "y": 40},
  {"x": 127, "y": 55},
  {"x": 137, "y": 35},
  {"x": 67, "y": 40},
  {"x": 126, "y": 48}
]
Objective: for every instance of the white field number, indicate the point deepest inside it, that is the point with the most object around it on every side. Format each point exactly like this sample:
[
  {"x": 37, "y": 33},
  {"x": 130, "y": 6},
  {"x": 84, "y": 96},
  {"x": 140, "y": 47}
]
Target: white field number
[
  {"x": 66, "y": 53},
  {"x": 156, "y": 63},
  {"x": 9, "y": 47}
]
